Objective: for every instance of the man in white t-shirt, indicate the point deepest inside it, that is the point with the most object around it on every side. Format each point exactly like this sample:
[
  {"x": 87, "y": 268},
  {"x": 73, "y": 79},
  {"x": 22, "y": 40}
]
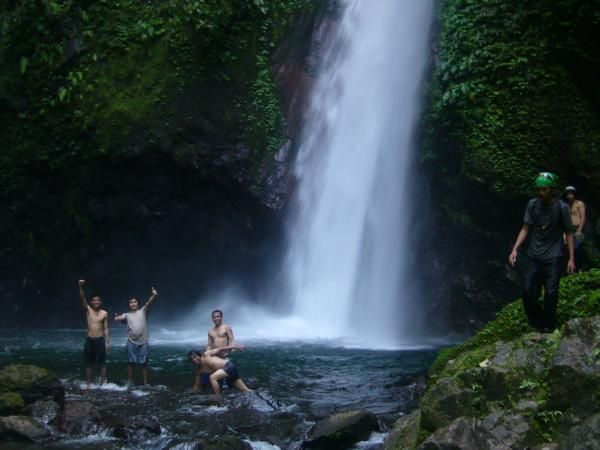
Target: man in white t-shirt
[{"x": 138, "y": 349}]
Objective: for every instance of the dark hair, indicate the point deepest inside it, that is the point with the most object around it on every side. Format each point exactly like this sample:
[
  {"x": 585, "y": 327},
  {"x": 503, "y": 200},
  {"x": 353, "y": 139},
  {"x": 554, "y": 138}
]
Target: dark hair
[
  {"x": 96, "y": 294},
  {"x": 217, "y": 311},
  {"x": 193, "y": 353}
]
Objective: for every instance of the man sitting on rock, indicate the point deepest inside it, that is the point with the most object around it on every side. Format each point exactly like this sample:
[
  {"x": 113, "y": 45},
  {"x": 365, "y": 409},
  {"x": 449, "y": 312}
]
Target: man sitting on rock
[{"x": 218, "y": 368}]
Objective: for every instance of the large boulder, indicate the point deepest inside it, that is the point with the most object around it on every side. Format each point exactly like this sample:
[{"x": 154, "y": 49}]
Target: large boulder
[
  {"x": 32, "y": 383},
  {"x": 341, "y": 430},
  {"x": 21, "y": 428},
  {"x": 405, "y": 432},
  {"x": 445, "y": 401},
  {"x": 11, "y": 403},
  {"x": 81, "y": 417},
  {"x": 575, "y": 369},
  {"x": 583, "y": 437},
  {"x": 498, "y": 431}
]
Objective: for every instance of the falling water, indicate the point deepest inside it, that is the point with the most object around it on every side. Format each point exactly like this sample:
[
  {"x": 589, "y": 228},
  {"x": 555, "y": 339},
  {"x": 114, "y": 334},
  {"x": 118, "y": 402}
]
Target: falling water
[{"x": 351, "y": 231}]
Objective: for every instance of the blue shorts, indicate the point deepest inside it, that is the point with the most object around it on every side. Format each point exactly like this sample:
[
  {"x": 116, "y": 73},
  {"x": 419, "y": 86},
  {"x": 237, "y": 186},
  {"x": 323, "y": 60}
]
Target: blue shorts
[{"x": 137, "y": 354}]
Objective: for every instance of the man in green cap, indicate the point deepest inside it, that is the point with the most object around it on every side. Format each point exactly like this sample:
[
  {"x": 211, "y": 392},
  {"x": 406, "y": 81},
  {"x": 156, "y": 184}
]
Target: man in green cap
[{"x": 546, "y": 219}]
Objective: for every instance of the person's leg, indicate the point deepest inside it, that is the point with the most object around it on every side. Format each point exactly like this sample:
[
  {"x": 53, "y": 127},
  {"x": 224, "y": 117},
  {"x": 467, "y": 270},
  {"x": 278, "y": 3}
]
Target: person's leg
[
  {"x": 103, "y": 373},
  {"x": 145, "y": 373},
  {"x": 239, "y": 383},
  {"x": 130, "y": 373},
  {"x": 214, "y": 380},
  {"x": 89, "y": 371},
  {"x": 551, "y": 277},
  {"x": 531, "y": 292}
]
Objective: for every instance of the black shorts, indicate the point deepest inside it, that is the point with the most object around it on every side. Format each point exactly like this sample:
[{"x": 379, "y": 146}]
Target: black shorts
[
  {"x": 94, "y": 351},
  {"x": 232, "y": 371}
]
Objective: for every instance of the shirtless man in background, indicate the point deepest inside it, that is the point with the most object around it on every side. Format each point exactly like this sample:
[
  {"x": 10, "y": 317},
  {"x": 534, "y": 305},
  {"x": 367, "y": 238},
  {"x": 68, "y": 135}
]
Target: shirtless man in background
[
  {"x": 220, "y": 336},
  {"x": 97, "y": 342}
]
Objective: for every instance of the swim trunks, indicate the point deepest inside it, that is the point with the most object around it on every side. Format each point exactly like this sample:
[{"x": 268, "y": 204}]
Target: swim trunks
[
  {"x": 231, "y": 370},
  {"x": 94, "y": 351},
  {"x": 137, "y": 354}
]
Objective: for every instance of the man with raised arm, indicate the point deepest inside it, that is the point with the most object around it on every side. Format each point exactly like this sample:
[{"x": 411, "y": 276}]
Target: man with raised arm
[
  {"x": 217, "y": 368},
  {"x": 138, "y": 349},
  {"x": 97, "y": 342}
]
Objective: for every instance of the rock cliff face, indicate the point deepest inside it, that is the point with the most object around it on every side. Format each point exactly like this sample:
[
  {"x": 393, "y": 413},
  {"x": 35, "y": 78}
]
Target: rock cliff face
[
  {"x": 509, "y": 387},
  {"x": 184, "y": 190}
]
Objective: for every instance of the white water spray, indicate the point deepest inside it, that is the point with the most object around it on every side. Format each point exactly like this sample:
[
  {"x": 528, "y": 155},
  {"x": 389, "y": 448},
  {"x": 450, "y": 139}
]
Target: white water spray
[{"x": 350, "y": 236}]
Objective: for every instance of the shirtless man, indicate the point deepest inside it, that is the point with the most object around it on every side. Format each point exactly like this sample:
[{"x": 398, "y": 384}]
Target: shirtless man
[
  {"x": 97, "y": 342},
  {"x": 578, "y": 218},
  {"x": 217, "y": 368},
  {"x": 221, "y": 335}
]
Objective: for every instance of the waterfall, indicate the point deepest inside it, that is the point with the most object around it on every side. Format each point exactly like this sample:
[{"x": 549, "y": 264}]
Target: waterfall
[{"x": 348, "y": 270}]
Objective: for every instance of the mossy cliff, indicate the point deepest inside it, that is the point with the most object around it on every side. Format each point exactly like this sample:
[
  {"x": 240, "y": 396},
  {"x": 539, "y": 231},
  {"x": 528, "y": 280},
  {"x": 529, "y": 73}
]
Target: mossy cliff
[
  {"x": 514, "y": 92},
  {"x": 511, "y": 386},
  {"x": 141, "y": 131}
]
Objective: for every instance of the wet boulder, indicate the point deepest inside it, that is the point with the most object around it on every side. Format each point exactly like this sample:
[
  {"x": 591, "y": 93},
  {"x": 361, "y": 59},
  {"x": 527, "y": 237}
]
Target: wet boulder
[
  {"x": 21, "y": 428},
  {"x": 32, "y": 383},
  {"x": 138, "y": 429},
  {"x": 341, "y": 430},
  {"x": 44, "y": 411},
  {"x": 464, "y": 433},
  {"x": 11, "y": 403},
  {"x": 229, "y": 442},
  {"x": 81, "y": 417},
  {"x": 405, "y": 432}
]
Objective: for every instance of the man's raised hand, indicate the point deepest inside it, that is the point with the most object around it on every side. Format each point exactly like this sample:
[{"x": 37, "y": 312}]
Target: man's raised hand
[{"x": 81, "y": 282}]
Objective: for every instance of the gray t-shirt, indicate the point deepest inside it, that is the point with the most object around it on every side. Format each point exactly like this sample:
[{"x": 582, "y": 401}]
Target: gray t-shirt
[
  {"x": 137, "y": 326},
  {"x": 548, "y": 223}
]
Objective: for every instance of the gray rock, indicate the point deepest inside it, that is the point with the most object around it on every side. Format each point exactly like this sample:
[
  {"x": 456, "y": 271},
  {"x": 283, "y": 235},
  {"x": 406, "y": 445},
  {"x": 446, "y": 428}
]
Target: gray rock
[
  {"x": 81, "y": 417},
  {"x": 341, "y": 430},
  {"x": 44, "y": 411},
  {"x": 21, "y": 428},
  {"x": 575, "y": 370},
  {"x": 498, "y": 431},
  {"x": 32, "y": 383},
  {"x": 444, "y": 402},
  {"x": 404, "y": 433},
  {"x": 583, "y": 437}
]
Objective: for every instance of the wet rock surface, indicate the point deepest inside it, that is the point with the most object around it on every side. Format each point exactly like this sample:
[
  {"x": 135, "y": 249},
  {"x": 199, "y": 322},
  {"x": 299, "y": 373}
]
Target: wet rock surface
[
  {"x": 341, "y": 430},
  {"x": 537, "y": 391},
  {"x": 21, "y": 428}
]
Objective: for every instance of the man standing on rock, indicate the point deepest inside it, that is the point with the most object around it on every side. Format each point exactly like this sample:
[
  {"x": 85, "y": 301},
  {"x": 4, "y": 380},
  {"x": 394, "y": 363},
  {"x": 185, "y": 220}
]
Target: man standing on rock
[
  {"x": 221, "y": 335},
  {"x": 138, "y": 349},
  {"x": 547, "y": 218},
  {"x": 97, "y": 342}
]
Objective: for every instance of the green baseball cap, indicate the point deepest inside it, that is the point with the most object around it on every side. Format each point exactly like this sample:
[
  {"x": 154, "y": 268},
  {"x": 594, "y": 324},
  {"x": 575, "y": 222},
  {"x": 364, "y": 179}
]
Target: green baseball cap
[{"x": 546, "y": 179}]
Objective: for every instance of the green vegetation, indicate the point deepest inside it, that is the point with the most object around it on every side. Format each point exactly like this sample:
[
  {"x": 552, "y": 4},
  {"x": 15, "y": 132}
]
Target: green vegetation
[
  {"x": 514, "y": 93},
  {"x": 88, "y": 80},
  {"x": 579, "y": 296}
]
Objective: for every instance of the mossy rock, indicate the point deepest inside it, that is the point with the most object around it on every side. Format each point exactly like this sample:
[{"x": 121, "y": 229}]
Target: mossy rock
[
  {"x": 32, "y": 383},
  {"x": 11, "y": 403},
  {"x": 405, "y": 432},
  {"x": 445, "y": 401}
]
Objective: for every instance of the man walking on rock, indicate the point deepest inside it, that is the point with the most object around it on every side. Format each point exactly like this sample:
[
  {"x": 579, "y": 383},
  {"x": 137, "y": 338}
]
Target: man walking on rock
[{"x": 546, "y": 219}]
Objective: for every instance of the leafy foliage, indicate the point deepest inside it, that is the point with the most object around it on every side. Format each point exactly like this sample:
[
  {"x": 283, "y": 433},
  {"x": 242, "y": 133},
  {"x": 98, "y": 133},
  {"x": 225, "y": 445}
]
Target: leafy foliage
[
  {"x": 514, "y": 92},
  {"x": 79, "y": 79},
  {"x": 579, "y": 296}
]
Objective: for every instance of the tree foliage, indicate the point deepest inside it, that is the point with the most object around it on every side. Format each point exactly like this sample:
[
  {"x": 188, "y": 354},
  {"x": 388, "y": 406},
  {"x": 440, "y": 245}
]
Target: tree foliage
[{"x": 516, "y": 92}]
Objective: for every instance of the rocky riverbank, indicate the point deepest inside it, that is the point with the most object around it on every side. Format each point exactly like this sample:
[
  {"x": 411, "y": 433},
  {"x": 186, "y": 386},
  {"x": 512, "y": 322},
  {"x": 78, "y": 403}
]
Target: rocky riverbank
[{"x": 512, "y": 387}]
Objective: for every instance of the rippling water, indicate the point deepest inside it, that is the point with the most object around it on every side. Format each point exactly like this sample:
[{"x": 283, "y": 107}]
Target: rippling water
[{"x": 300, "y": 382}]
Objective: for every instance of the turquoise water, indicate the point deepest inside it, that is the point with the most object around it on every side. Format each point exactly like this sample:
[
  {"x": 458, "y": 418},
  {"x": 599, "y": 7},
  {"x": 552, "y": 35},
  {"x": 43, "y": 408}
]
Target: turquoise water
[{"x": 298, "y": 381}]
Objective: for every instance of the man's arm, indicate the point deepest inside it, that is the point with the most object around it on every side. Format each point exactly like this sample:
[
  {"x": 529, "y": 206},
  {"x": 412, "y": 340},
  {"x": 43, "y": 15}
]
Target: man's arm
[
  {"x": 197, "y": 384},
  {"x": 571, "y": 245},
  {"x": 106, "y": 333},
  {"x": 210, "y": 342},
  {"x": 230, "y": 337},
  {"x": 581, "y": 220},
  {"x": 152, "y": 297},
  {"x": 82, "y": 295},
  {"x": 512, "y": 258},
  {"x": 216, "y": 351}
]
